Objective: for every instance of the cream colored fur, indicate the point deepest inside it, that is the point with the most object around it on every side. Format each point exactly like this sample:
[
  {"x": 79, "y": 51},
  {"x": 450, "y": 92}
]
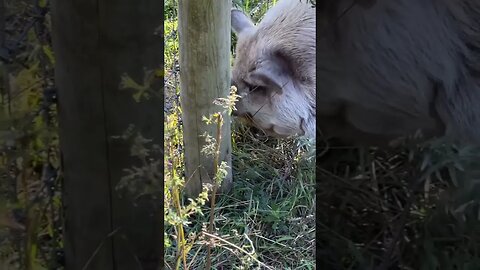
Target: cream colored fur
[{"x": 282, "y": 46}]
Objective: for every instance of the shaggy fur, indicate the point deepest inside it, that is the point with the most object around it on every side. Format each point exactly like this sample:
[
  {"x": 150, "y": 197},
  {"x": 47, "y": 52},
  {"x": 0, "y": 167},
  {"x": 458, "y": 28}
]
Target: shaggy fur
[
  {"x": 274, "y": 69},
  {"x": 398, "y": 67},
  {"x": 385, "y": 69}
]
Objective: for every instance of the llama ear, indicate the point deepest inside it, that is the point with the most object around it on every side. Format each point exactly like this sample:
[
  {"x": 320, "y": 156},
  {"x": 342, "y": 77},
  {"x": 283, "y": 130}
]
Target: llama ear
[
  {"x": 274, "y": 73},
  {"x": 271, "y": 77},
  {"x": 240, "y": 21}
]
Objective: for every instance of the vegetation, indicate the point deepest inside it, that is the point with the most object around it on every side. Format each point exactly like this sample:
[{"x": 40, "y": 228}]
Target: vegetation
[
  {"x": 412, "y": 207},
  {"x": 407, "y": 208},
  {"x": 267, "y": 220},
  {"x": 30, "y": 212}
]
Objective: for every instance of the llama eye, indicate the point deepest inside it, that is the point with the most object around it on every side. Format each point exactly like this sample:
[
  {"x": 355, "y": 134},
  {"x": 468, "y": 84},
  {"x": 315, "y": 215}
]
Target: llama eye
[{"x": 257, "y": 88}]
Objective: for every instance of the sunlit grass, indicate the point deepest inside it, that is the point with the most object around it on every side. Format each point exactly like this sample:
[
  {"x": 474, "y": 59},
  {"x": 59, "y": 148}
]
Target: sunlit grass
[{"x": 268, "y": 218}]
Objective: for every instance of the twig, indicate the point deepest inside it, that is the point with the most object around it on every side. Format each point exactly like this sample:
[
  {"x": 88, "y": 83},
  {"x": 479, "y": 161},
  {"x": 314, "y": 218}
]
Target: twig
[
  {"x": 238, "y": 248},
  {"x": 401, "y": 225},
  {"x": 98, "y": 249},
  {"x": 215, "y": 186}
]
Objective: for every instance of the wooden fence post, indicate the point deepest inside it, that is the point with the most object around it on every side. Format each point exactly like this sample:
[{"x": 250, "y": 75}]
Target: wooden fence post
[
  {"x": 205, "y": 37},
  {"x": 95, "y": 42}
]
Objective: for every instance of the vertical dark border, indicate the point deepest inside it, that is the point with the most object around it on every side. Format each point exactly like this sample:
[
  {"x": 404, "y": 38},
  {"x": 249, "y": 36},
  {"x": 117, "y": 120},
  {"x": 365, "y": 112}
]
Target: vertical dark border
[
  {"x": 328, "y": 13},
  {"x": 319, "y": 6},
  {"x": 162, "y": 146}
]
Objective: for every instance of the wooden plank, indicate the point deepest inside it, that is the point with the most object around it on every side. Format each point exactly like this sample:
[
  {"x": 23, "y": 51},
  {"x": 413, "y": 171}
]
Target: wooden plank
[
  {"x": 204, "y": 35},
  {"x": 94, "y": 43},
  {"x": 128, "y": 28},
  {"x": 86, "y": 195}
]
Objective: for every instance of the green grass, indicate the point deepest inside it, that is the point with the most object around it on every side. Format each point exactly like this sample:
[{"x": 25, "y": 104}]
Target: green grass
[{"x": 268, "y": 217}]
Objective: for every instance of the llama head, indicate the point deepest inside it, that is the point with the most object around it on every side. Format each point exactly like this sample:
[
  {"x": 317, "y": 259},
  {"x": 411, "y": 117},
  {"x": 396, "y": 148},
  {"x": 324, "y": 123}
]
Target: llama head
[{"x": 274, "y": 78}]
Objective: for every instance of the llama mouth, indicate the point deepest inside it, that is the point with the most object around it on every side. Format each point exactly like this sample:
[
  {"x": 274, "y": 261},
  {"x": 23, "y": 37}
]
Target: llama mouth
[
  {"x": 269, "y": 132},
  {"x": 255, "y": 128},
  {"x": 248, "y": 120}
]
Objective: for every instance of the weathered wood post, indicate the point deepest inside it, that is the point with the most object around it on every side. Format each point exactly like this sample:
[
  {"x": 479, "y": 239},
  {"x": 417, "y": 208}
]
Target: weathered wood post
[
  {"x": 205, "y": 36},
  {"x": 95, "y": 42}
]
